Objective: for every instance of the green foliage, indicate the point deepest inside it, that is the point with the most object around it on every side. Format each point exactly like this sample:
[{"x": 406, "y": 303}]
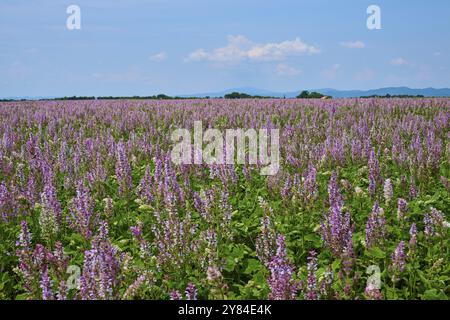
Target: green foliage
[{"x": 310, "y": 95}]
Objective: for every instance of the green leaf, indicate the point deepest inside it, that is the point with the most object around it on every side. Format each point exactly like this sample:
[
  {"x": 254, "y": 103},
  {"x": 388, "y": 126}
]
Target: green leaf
[
  {"x": 423, "y": 278},
  {"x": 252, "y": 266},
  {"x": 314, "y": 238},
  {"x": 336, "y": 264},
  {"x": 376, "y": 252},
  {"x": 22, "y": 296},
  {"x": 230, "y": 264},
  {"x": 434, "y": 294}
]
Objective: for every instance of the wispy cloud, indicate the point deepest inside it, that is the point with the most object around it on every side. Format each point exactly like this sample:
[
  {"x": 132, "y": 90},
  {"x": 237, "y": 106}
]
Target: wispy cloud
[
  {"x": 240, "y": 48},
  {"x": 399, "y": 62},
  {"x": 353, "y": 44},
  {"x": 286, "y": 70},
  {"x": 158, "y": 57}
]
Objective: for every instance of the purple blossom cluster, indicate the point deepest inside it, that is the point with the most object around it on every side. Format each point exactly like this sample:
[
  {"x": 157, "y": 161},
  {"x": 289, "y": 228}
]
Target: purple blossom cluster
[
  {"x": 102, "y": 268},
  {"x": 266, "y": 241},
  {"x": 402, "y": 208},
  {"x": 38, "y": 264},
  {"x": 375, "y": 179},
  {"x": 82, "y": 217},
  {"x": 174, "y": 239},
  {"x": 173, "y": 223},
  {"x": 398, "y": 258},
  {"x": 375, "y": 226},
  {"x": 388, "y": 191},
  {"x": 311, "y": 288},
  {"x": 435, "y": 223},
  {"x": 412, "y": 239},
  {"x": 144, "y": 246},
  {"x": 123, "y": 169},
  {"x": 281, "y": 282},
  {"x": 336, "y": 227}
]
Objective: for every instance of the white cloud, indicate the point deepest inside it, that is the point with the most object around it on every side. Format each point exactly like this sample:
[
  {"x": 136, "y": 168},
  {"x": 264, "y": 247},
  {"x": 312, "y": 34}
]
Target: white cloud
[
  {"x": 331, "y": 73},
  {"x": 286, "y": 70},
  {"x": 437, "y": 54},
  {"x": 240, "y": 48},
  {"x": 97, "y": 75},
  {"x": 353, "y": 44},
  {"x": 399, "y": 62},
  {"x": 158, "y": 57}
]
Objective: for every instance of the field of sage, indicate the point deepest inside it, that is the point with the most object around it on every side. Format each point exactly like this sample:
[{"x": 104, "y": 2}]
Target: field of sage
[{"x": 92, "y": 207}]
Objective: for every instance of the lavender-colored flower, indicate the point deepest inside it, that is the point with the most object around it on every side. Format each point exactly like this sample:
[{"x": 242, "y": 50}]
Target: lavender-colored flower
[
  {"x": 398, "y": 258},
  {"x": 372, "y": 185},
  {"x": 336, "y": 226},
  {"x": 413, "y": 239},
  {"x": 310, "y": 184},
  {"x": 133, "y": 289},
  {"x": 282, "y": 286},
  {"x": 226, "y": 209},
  {"x": 50, "y": 215},
  {"x": 123, "y": 169},
  {"x": 62, "y": 291},
  {"x": 175, "y": 295},
  {"x": 173, "y": 237},
  {"x": 82, "y": 216},
  {"x": 286, "y": 190},
  {"x": 375, "y": 226},
  {"x": 347, "y": 289},
  {"x": 24, "y": 241},
  {"x": 373, "y": 293},
  {"x": 191, "y": 291},
  {"x": 334, "y": 192},
  {"x": 435, "y": 223},
  {"x": 30, "y": 192},
  {"x": 136, "y": 231},
  {"x": 388, "y": 191},
  {"x": 46, "y": 285},
  {"x": 203, "y": 202},
  {"x": 101, "y": 270},
  {"x": 402, "y": 208},
  {"x": 311, "y": 289},
  {"x": 5, "y": 202},
  {"x": 25, "y": 255},
  {"x": 374, "y": 172},
  {"x": 108, "y": 206},
  {"x": 62, "y": 157},
  {"x": 59, "y": 262},
  {"x": 413, "y": 193},
  {"x": 50, "y": 200},
  {"x": 266, "y": 241},
  {"x": 213, "y": 274},
  {"x": 36, "y": 264},
  {"x": 39, "y": 256},
  {"x": 326, "y": 283},
  {"x": 145, "y": 187}
]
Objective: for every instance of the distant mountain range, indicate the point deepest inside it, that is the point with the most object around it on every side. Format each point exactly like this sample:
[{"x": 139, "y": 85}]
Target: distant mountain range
[{"x": 427, "y": 92}]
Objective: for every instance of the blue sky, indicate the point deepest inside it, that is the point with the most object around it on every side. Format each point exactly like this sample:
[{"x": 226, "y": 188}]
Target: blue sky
[{"x": 138, "y": 47}]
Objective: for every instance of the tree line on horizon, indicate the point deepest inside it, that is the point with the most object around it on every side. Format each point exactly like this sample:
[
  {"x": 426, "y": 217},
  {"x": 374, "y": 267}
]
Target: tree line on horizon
[{"x": 305, "y": 94}]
